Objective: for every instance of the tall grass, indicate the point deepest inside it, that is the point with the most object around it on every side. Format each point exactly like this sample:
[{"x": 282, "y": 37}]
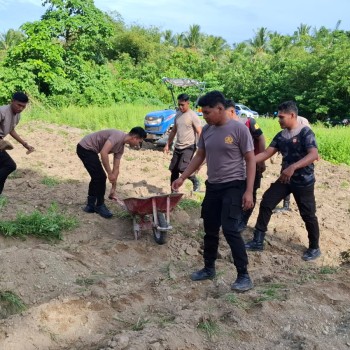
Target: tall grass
[
  {"x": 333, "y": 143},
  {"x": 122, "y": 117}
]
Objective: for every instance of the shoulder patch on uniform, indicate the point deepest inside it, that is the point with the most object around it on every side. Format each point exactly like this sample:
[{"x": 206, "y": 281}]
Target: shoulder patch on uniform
[{"x": 256, "y": 126}]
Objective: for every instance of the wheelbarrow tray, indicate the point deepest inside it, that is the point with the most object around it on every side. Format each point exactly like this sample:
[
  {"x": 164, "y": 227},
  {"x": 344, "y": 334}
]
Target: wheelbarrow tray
[{"x": 144, "y": 206}]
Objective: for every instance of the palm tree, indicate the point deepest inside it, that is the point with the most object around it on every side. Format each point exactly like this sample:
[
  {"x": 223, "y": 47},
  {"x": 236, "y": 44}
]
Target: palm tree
[
  {"x": 10, "y": 39},
  {"x": 260, "y": 43},
  {"x": 215, "y": 46},
  {"x": 193, "y": 37}
]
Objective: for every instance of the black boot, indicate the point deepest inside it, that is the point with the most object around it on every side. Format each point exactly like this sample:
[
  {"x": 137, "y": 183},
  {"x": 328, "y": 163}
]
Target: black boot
[
  {"x": 242, "y": 283},
  {"x": 91, "y": 204},
  {"x": 207, "y": 273},
  {"x": 286, "y": 203},
  {"x": 102, "y": 210},
  {"x": 196, "y": 183},
  {"x": 257, "y": 244}
]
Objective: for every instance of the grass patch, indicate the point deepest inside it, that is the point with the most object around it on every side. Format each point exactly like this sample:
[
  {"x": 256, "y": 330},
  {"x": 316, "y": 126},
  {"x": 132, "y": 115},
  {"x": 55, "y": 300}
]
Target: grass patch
[
  {"x": 272, "y": 292},
  {"x": 140, "y": 324},
  {"x": 3, "y": 202},
  {"x": 50, "y": 181},
  {"x": 186, "y": 204},
  {"x": 47, "y": 225},
  {"x": 10, "y": 304},
  {"x": 209, "y": 327}
]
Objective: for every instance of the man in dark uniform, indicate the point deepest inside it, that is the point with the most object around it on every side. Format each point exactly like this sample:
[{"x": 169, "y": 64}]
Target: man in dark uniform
[
  {"x": 259, "y": 146},
  {"x": 297, "y": 144},
  {"x": 228, "y": 149}
]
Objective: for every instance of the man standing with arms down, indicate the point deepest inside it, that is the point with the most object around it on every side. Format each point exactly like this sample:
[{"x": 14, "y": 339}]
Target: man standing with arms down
[
  {"x": 297, "y": 144},
  {"x": 104, "y": 142},
  {"x": 226, "y": 145},
  {"x": 10, "y": 116},
  {"x": 187, "y": 128}
]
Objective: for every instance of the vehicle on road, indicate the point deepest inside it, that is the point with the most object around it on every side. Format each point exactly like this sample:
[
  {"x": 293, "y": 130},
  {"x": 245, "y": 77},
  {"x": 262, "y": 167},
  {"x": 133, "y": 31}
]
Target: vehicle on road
[
  {"x": 244, "y": 111},
  {"x": 159, "y": 123}
]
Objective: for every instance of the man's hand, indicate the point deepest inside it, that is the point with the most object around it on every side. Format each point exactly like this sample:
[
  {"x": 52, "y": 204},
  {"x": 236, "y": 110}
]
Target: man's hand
[
  {"x": 286, "y": 174},
  {"x": 29, "y": 148},
  {"x": 112, "y": 178},
  {"x": 247, "y": 201},
  {"x": 177, "y": 184},
  {"x": 166, "y": 148}
]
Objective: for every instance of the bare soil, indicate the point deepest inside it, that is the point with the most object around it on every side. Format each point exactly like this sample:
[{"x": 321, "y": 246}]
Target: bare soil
[{"x": 99, "y": 288}]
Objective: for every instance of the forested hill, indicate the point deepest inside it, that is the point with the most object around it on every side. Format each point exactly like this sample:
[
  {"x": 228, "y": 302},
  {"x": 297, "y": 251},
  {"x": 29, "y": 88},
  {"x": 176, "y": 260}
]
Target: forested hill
[{"x": 78, "y": 55}]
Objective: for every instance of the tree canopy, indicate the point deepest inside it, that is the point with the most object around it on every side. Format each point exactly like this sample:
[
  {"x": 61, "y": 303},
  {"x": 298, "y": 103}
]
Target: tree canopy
[{"x": 76, "y": 54}]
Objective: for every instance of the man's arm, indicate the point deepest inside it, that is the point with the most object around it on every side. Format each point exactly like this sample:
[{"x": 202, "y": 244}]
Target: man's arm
[
  {"x": 247, "y": 200},
  {"x": 261, "y": 167},
  {"x": 105, "y": 160},
  {"x": 269, "y": 152},
  {"x": 287, "y": 173},
  {"x": 195, "y": 163},
  {"x": 115, "y": 171},
  {"x": 198, "y": 130},
  {"x": 18, "y": 138},
  {"x": 170, "y": 139}
]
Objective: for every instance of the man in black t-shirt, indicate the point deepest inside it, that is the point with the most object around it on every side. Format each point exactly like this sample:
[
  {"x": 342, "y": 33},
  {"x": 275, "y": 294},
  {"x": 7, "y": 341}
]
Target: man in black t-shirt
[{"x": 298, "y": 147}]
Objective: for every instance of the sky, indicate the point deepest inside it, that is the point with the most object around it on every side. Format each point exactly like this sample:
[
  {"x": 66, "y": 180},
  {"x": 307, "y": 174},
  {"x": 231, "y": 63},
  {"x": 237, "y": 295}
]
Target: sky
[{"x": 234, "y": 20}]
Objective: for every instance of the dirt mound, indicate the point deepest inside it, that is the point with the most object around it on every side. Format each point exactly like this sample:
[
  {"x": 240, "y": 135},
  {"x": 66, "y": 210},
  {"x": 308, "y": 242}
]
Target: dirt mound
[{"x": 98, "y": 288}]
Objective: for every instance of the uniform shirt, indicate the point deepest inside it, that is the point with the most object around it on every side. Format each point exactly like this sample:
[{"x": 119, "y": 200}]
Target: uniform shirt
[
  {"x": 303, "y": 121},
  {"x": 225, "y": 147},
  {"x": 186, "y": 124},
  {"x": 294, "y": 145},
  {"x": 94, "y": 142},
  {"x": 254, "y": 130},
  {"x": 8, "y": 120}
]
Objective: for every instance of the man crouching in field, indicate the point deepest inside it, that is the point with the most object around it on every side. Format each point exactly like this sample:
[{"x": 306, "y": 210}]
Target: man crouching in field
[
  {"x": 298, "y": 147},
  {"x": 10, "y": 116},
  {"x": 104, "y": 142}
]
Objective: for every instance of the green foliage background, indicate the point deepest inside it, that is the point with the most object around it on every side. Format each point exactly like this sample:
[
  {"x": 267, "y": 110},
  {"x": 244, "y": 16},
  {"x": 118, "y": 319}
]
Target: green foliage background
[{"x": 89, "y": 69}]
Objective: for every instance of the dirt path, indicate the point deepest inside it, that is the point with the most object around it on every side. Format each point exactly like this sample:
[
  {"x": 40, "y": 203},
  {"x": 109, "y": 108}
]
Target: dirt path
[{"x": 98, "y": 288}]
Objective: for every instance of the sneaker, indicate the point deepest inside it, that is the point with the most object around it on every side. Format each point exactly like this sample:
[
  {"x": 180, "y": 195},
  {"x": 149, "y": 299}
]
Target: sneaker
[
  {"x": 311, "y": 254},
  {"x": 207, "y": 273},
  {"x": 103, "y": 211},
  {"x": 242, "y": 283},
  {"x": 89, "y": 208}
]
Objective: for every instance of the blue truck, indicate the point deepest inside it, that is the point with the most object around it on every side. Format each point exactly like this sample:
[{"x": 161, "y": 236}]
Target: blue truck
[{"x": 159, "y": 123}]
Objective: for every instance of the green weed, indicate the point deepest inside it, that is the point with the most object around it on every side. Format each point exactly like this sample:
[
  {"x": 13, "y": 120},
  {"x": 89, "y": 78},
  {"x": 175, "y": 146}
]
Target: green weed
[
  {"x": 50, "y": 181},
  {"x": 345, "y": 184},
  {"x": 209, "y": 327},
  {"x": 47, "y": 225},
  {"x": 272, "y": 292},
  {"x": 10, "y": 304},
  {"x": 186, "y": 204},
  {"x": 3, "y": 202},
  {"x": 140, "y": 324},
  {"x": 328, "y": 270}
]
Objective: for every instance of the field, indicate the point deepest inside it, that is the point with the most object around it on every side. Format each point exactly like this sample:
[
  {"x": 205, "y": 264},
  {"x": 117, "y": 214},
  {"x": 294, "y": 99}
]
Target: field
[{"x": 85, "y": 283}]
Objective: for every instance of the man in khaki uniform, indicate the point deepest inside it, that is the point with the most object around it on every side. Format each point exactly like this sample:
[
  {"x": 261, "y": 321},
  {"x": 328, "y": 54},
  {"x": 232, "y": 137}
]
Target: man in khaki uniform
[
  {"x": 10, "y": 116},
  {"x": 187, "y": 128}
]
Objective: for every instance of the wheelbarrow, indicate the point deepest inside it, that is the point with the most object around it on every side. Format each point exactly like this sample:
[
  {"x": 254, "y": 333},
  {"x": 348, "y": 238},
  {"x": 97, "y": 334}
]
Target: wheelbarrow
[{"x": 152, "y": 213}]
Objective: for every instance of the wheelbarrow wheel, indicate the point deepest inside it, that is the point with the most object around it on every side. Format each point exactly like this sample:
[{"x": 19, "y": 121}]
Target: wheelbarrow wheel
[{"x": 160, "y": 236}]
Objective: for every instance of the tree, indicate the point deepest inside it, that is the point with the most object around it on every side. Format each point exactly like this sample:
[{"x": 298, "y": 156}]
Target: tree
[
  {"x": 193, "y": 38},
  {"x": 10, "y": 39},
  {"x": 260, "y": 43}
]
